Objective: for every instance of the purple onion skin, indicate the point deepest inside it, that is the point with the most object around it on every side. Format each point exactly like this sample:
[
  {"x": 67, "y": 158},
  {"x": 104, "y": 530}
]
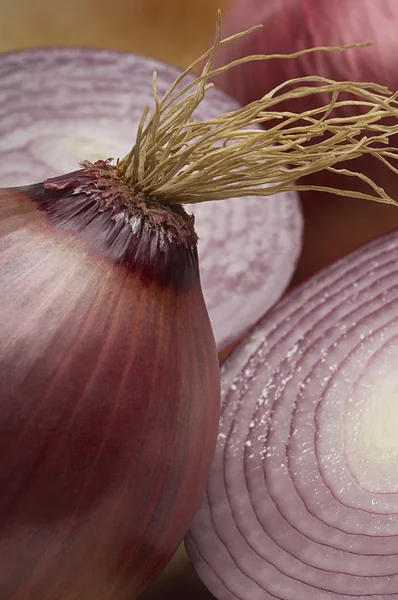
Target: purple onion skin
[{"x": 109, "y": 399}]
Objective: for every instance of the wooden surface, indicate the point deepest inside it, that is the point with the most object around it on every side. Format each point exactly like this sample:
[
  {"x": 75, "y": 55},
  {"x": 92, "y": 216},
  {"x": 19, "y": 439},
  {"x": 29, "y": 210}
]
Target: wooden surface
[{"x": 175, "y": 31}]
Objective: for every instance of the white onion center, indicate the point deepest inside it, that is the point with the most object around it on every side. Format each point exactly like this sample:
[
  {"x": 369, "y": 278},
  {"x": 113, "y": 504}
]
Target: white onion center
[
  {"x": 76, "y": 140},
  {"x": 380, "y": 429}
]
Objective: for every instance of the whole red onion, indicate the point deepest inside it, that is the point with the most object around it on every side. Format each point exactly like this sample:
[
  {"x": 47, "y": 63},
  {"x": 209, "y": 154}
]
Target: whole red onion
[
  {"x": 333, "y": 226},
  {"x": 109, "y": 391}
]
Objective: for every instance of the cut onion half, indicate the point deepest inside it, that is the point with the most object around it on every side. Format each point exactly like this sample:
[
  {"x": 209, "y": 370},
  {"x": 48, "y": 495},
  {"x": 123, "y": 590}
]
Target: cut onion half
[
  {"x": 302, "y": 501},
  {"x": 60, "y": 106}
]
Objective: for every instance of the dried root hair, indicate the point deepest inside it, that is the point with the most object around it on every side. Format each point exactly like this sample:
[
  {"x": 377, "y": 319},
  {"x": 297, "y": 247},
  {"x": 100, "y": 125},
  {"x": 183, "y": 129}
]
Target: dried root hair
[{"x": 178, "y": 159}]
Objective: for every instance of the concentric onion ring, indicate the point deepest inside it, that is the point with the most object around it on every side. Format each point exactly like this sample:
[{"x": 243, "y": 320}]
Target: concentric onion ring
[
  {"x": 60, "y": 106},
  {"x": 302, "y": 502}
]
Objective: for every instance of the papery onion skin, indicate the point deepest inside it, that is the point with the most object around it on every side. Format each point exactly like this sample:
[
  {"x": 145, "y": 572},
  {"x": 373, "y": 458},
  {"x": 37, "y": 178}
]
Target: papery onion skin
[
  {"x": 334, "y": 225},
  {"x": 109, "y": 392},
  {"x": 302, "y": 500},
  {"x": 63, "y": 105}
]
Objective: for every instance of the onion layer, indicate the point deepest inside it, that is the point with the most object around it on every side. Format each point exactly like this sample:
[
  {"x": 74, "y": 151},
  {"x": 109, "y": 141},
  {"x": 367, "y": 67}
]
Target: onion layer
[
  {"x": 302, "y": 501},
  {"x": 61, "y": 106}
]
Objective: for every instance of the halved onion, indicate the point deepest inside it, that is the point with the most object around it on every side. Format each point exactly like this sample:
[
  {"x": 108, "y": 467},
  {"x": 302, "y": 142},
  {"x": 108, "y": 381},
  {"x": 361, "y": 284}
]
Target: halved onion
[
  {"x": 302, "y": 501},
  {"x": 60, "y": 106}
]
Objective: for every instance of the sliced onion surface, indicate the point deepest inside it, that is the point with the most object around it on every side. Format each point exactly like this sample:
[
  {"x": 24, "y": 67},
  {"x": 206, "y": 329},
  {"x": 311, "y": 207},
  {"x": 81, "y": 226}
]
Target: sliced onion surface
[
  {"x": 302, "y": 501},
  {"x": 61, "y": 106}
]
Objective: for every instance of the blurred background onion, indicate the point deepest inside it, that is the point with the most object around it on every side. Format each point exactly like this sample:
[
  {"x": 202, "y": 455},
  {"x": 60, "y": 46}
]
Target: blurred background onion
[{"x": 333, "y": 225}]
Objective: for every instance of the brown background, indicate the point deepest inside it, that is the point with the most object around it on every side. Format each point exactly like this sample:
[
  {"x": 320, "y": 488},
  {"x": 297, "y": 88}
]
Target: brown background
[{"x": 175, "y": 31}]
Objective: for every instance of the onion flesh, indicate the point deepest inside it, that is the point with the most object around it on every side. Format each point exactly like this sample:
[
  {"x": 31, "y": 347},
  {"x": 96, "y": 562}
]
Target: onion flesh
[
  {"x": 61, "y": 106},
  {"x": 302, "y": 500}
]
